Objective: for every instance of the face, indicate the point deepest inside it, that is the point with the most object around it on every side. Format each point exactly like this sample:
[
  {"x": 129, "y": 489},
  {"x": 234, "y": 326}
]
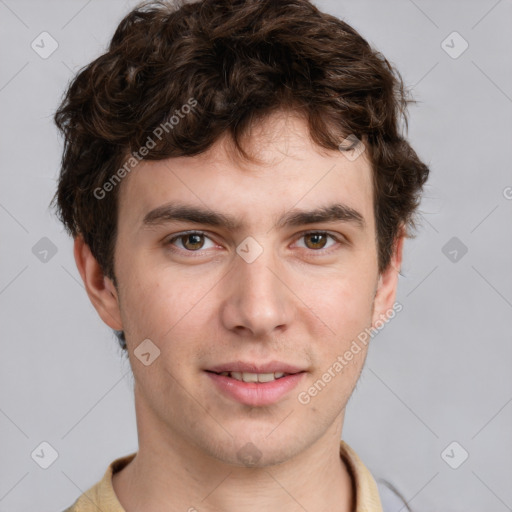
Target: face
[{"x": 222, "y": 263}]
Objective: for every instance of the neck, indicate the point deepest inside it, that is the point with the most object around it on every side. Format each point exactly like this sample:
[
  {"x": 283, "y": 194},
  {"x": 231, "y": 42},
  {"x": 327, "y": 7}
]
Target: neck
[{"x": 168, "y": 474}]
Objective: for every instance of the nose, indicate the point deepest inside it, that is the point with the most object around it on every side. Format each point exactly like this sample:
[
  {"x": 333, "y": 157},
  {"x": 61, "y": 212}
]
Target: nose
[{"x": 257, "y": 302}]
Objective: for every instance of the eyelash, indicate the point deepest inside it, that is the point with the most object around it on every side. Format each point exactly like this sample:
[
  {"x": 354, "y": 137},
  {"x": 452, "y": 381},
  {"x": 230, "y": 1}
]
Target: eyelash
[{"x": 199, "y": 252}]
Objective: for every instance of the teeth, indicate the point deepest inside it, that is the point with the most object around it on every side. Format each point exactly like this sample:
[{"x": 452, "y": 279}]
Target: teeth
[
  {"x": 254, "y": 377},
  {"x": 266, "y": 377}
]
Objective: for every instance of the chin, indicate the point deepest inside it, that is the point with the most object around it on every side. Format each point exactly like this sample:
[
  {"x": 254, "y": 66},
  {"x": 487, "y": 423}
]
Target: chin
[{"x": 252, "y": 450}]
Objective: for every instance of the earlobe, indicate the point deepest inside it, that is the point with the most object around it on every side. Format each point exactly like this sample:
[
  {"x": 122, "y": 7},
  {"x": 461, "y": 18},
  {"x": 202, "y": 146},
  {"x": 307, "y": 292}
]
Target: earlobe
[{"x": 100, "y": 289}]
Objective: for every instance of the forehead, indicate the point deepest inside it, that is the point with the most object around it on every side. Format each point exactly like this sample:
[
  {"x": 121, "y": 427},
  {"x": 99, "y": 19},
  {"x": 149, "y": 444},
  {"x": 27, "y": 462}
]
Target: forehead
[{"x": 291, "y": 174}]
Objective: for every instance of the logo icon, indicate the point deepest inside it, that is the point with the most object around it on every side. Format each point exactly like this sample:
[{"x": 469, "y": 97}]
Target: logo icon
[
  {"x": 146, "y": 352},
  {"x": 454, "y": 45},
  {"x": 249, "y": 249},
  {"x": 454, "y": 455},
  {"x": 351, "y": 147},
  {"x": 454, "y": 249},
  {"x": 44, "y": 250},
  {"x": 249, "y": 455},
  {"x": 44, "y": 455},
  {"x": 44, "y": 45}
]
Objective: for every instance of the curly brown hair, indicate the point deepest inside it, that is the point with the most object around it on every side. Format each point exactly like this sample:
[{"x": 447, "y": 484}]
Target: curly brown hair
[{"x": 239, "y": 61}]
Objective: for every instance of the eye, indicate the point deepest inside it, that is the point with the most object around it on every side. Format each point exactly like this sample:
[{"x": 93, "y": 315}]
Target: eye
[
  {"x": 317, "y": 240},
  {"x": 192, "y": 241}
]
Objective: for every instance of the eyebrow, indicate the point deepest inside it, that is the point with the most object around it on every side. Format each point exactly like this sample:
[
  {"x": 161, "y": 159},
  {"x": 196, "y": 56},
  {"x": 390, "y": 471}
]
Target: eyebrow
[{"x": 169, "y": 212}]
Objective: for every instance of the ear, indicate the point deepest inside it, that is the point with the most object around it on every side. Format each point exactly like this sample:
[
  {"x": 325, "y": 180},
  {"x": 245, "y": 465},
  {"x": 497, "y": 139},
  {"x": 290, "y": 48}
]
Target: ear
[
  {"x": 100, "y": 289},
  {"x": 388, "y": 281}
]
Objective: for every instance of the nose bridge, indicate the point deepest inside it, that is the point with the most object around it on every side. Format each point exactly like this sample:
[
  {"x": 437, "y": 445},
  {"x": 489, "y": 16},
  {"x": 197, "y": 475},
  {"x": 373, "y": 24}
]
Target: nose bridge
[
  {"x": 259, "y": 276},
  {"x": 257, "y": 299}
]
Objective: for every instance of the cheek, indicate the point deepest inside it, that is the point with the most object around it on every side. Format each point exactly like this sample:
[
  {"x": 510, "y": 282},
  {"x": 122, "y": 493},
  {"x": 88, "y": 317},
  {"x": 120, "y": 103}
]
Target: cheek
[
  {"x": 344, "y": 305},
  {"x": 143, "y": 301},
  {"x": 343, "y": 313},
  {"x": 164, "y": 306}
]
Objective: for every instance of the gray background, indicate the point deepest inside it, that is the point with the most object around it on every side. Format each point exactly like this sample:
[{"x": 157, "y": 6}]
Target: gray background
[{"x": 438, "y": 372}]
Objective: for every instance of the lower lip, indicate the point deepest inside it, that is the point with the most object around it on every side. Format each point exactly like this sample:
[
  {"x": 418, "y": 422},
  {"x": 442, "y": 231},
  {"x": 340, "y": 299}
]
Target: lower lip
[{"x": 256, "y": 393}]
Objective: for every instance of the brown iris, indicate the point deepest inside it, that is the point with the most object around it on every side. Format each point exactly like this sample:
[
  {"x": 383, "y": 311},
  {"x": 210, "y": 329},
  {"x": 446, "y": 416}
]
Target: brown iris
[
  {"x": 195, "y": 239},
  {"x": 318, "y": 240}
]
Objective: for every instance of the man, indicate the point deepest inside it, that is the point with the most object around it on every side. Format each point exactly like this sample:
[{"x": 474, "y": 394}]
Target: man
[{"x": 239, "y": 191}]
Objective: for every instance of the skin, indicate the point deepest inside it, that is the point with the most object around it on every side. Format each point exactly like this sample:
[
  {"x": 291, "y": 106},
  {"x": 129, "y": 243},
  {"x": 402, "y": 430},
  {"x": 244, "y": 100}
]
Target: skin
[{"x": 302, "y": 301}]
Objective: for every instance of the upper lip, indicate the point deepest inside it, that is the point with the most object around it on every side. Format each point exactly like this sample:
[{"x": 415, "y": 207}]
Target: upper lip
[{"x": 243, "y": 367}]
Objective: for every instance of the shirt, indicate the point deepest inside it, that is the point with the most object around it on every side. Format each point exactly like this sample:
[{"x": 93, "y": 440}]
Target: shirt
[{"x": 101, "y": 496}]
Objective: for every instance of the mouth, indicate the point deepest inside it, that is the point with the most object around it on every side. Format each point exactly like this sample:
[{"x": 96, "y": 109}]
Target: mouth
[{"x": 255, "y": 386}]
